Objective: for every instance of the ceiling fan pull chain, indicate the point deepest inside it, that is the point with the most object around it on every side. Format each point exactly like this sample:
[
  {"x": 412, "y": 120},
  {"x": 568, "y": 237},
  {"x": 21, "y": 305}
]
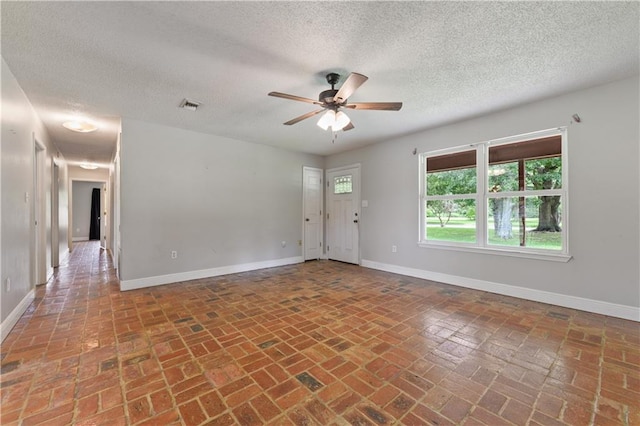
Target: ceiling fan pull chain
[{"x": 335, "y": 136}]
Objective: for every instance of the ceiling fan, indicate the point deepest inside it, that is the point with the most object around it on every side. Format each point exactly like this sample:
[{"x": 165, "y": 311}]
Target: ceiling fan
[{"x": 332, "y": 101}]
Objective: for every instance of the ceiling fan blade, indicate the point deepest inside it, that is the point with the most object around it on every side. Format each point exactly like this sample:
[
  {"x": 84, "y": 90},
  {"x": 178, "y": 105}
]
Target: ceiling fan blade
[
  {"x": 303, "y": 117},
  {"x": 350, "y": 85},
  {"x": 294, "y": 98},
  {"x": 348, "y": 126},
  {"x": 380, "y": 106}
]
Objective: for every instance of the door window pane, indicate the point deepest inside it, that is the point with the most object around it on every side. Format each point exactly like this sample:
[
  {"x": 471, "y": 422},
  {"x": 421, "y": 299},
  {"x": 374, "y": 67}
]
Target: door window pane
[{"x": 342, "y": 185}]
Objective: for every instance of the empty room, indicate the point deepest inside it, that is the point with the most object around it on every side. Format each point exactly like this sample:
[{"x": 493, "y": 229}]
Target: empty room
[{"x": 320, "y": 213}]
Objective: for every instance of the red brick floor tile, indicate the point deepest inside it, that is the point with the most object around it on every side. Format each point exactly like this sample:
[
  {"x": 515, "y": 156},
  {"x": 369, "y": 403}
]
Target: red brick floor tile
[
  {"x": 292, "y": 398},
  {"x": 428, "y": 416},
  {"x": 315, "y": 343},
  {"x": 246, "y": 415},
  {"x": 242, "y": 395},
  {"x": 400, "y": 405},
  {"x": 344, "y": 402},
  {"x": 358, "y": 385},
  {"x": 332, "y": 391},
  {"x": 374, "y": 414},
  {"x": 167, "y": 418},
  {"x": 300, "y": 417},
  {"x": 192, "y": 413},
  {"x": 139, "y": 410},
  {"x": 265, "y": 408},
  {"x": 356, "y": 418},
  {"x": 457, "y": 409},
  {"x": 225, "y": 419},
  {"x": 47, "y": 416}
]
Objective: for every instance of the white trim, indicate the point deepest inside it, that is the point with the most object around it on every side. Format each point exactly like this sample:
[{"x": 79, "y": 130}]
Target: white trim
[
  {"x": 482, "y": 195},
  {"x": 590, "y": 305},
  {"x": 206, "y": 273},
  {"x": 510, "y": 251},
  {"x": 76, "y": 239},
  {"x": 64, "y": 259},
  {"x": 7, "y": 325}
]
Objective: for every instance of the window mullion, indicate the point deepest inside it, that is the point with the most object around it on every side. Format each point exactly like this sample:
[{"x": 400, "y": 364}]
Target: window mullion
[
  {"x": 481, "y": 191},
  {"x": 422, "y": 183}
]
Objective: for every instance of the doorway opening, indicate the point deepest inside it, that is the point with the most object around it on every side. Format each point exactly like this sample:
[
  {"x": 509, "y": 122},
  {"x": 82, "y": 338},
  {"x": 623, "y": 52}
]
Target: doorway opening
[{"x": 87, "y": 213}]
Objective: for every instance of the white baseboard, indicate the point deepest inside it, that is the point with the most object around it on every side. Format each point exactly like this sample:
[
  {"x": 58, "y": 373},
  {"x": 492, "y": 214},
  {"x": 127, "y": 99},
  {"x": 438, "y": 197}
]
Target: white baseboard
[
  {"x": 14, "y": 316},
  {"x": 205, "y": 273},
  {"x": 64, "y": 259},
  {"x": 76, "y": 239},
  {"x": 574, "y": 302}
]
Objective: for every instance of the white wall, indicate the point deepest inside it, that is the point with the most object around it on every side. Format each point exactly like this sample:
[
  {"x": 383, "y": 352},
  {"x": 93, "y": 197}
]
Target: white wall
[
  {"x": 20, "y": 126},
  {"x": 218, "y": 202},
  {"x": 603, "y": 203},
  {"x": 82, "y": 194}
]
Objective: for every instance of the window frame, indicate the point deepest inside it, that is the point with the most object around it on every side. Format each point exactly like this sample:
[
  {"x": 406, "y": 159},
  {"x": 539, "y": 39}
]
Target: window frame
[{"x": 482, "y": 197}]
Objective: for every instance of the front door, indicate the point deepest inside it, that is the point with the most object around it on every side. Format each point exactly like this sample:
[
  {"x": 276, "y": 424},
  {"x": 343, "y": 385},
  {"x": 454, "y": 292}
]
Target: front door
[{"x": 343, "y": 214}]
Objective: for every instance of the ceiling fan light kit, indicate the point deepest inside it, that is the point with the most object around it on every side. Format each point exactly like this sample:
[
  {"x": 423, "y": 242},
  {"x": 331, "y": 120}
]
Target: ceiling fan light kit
[
  {"x": 332, "y": 100},
  {"x": 337, "y": 121}
]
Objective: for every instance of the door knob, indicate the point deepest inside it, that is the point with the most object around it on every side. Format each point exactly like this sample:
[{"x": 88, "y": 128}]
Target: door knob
[{"x": 307, "y": 219}]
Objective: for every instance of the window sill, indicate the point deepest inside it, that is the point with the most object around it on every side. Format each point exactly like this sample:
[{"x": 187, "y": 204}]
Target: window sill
[{"x": 551, "y": 257}]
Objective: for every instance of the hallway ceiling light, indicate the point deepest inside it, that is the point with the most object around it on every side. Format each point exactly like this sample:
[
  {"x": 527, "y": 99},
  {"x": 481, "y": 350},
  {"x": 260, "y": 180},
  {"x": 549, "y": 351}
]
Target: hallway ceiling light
[
  {"x": 80, "y": 126},
  {"x": 89, "y": 166}
]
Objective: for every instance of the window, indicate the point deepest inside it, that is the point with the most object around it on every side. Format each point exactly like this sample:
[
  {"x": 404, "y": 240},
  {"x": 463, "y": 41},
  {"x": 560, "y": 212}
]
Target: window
[
  {"x": 342, "y": 185},
  {"x": 507, "y": 195}
]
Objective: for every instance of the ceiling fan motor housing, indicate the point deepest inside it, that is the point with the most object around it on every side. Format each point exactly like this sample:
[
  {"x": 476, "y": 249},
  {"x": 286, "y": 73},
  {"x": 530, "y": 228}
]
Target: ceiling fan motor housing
[{"x": 326, "y": 97}]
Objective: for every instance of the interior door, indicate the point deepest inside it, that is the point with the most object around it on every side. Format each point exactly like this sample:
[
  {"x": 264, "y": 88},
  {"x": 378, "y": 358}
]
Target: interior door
[
  {"x": 312, "y": 212},
  {"x": 343, "y": 214}
]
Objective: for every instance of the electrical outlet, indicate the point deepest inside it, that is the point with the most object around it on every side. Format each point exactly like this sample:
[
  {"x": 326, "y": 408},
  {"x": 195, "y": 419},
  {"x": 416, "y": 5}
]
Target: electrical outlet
[
  {"x": 394, "y": 249},
  {"x": 7, "y": 285},
  {"x": 174, "y": 254}
]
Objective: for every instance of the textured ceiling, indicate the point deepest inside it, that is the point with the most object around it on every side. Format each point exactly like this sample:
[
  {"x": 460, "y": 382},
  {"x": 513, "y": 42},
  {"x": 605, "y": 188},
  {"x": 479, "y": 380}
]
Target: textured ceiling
[{"x": 446, "y": 61}]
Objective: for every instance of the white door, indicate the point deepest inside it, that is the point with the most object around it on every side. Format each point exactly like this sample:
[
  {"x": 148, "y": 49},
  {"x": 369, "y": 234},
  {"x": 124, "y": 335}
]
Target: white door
[
  {"x": 343, "y": 214},
  {"x": 312, "y": 206}
]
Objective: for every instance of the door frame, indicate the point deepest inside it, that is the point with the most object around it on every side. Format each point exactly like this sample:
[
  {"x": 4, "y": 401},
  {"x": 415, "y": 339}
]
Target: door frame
[
  {"x": 358, "y": 167},
  {"x": 38, "y": 218},
  {"x": 321, "y": 224},
  {"x": 103, "y": 208},
  {"x": 55, "y": 214}
]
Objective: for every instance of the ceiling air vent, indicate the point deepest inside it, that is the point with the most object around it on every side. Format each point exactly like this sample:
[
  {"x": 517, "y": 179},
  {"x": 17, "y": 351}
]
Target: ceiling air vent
[{"x": 189, "y": 105}]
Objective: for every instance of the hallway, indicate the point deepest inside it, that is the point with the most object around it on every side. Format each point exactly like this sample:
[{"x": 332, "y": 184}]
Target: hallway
[{"x": 314, "y": 343}]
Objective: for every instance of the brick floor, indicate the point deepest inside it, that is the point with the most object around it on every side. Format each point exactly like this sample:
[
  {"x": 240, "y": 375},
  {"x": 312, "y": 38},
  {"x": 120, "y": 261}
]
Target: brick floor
[{"x": 315, "y": 343}]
